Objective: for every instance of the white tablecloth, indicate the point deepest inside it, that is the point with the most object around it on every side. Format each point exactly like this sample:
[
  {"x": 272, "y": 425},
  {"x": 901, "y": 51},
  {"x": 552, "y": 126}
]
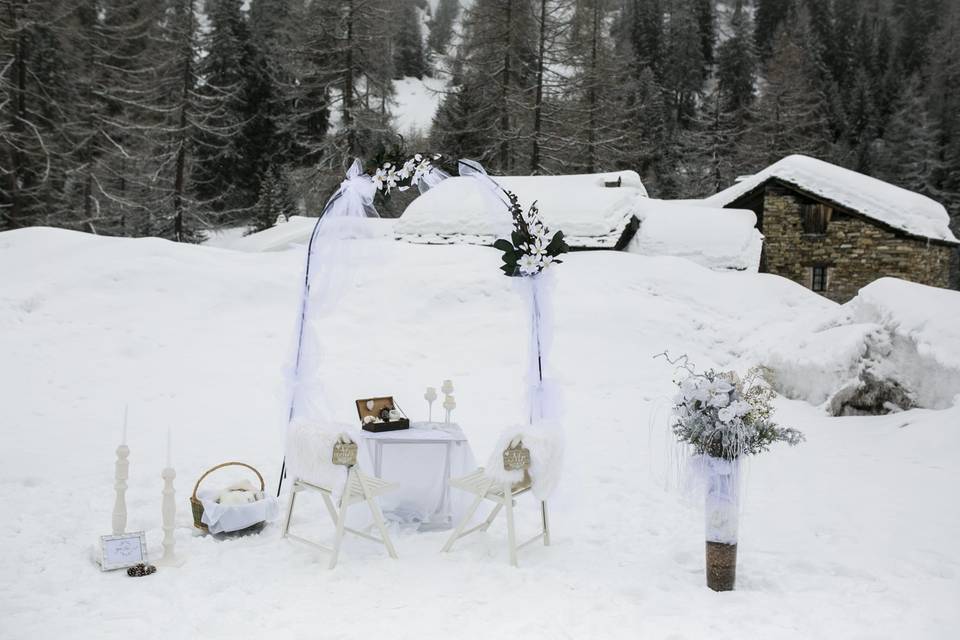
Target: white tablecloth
[{"x": 421, "y": 460}]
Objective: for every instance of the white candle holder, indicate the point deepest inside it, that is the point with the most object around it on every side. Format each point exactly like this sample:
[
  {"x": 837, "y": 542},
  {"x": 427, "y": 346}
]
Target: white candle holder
[
  {"x": 121, "y": 473},
  {"x": 169, "y": 512},
  {"x": 430, "y": 396},
  {"x": 449, "y": 403},
  {"x": 447, "y": 387}
]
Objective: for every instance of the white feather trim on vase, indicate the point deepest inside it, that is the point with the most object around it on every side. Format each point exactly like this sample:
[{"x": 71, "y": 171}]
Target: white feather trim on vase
[
  {"x": 310, "y": 453},
  {"x": 545, "y": 443}
]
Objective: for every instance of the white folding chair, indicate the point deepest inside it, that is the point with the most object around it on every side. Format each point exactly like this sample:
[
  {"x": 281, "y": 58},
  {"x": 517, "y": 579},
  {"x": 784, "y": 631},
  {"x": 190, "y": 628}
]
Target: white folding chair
[
  {"x": 357, "y": 488},
  {"x": 503, "y": 495}
]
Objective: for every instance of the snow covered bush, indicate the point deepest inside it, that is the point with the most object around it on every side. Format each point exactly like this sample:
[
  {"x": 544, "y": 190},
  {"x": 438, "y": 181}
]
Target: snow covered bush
[{"x": 723, "y": 416}]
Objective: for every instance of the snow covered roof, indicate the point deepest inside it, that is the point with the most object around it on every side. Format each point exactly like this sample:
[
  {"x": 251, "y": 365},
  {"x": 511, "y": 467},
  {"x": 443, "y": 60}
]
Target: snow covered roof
[
  {"x": 460, "y": 210},
  {"x": 898, "y": 208},
  {"x": 715, "y": 238}
]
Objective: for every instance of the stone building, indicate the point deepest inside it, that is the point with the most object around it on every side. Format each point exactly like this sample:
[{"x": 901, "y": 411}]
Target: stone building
[{"x": 834, "y": 230}]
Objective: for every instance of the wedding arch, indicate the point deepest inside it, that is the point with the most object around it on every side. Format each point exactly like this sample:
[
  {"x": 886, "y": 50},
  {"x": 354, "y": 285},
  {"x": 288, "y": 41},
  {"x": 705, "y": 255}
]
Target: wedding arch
[{"x": 527, "y": 255}]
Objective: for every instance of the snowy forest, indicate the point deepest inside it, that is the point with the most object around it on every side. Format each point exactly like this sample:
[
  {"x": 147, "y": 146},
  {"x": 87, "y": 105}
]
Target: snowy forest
[{"x": 174, "y": 117}]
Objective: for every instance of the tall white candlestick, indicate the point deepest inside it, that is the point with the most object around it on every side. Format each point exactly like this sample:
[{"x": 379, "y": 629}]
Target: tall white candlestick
[
  {"x": 169, "y": 512},
  {"x": 121, "y": 473}
]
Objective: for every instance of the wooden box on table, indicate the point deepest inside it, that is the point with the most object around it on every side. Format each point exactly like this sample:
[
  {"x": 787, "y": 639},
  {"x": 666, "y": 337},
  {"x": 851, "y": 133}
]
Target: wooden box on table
[{"x": 374, "y": 407}]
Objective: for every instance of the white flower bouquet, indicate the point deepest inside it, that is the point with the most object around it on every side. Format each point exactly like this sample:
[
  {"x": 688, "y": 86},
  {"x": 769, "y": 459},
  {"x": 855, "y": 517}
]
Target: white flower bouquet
[
  {"x": 530, "y": 249},
  {"x": 723, "y": 417}
]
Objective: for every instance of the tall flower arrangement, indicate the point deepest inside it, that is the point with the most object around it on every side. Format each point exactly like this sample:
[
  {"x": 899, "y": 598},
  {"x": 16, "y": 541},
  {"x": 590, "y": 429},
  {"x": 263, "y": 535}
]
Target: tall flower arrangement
[
  {"x": 723, "y": 417},
  {"x": 530, "y": 248}
]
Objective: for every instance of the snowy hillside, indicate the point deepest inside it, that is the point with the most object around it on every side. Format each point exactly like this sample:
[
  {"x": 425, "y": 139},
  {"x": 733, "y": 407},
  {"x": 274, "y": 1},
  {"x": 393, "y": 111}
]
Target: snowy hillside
[{"x": 850, "y": 535}]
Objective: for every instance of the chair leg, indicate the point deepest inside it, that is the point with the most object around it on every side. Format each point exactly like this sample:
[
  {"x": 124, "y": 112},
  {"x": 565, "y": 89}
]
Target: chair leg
[
  {"x": 492, "y": 516},
  {"x": 381, "y": 525},
  {"x": 463, "y": 523},
  {"x": 286, "y": 521},
  {"x": 511, "y": 532},
  {"x": 341, "y": 523},
  {"x": 546, "y": 523},
  {"x": 331, "y": 509}
]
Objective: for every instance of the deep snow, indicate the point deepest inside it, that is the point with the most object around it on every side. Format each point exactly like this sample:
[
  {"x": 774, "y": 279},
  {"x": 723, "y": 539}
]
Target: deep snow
[{"x": 851, "y": 535}]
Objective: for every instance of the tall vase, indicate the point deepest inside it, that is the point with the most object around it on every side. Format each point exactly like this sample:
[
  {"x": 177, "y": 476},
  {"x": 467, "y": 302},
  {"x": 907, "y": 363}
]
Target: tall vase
[{"x": 722, "y": 514}]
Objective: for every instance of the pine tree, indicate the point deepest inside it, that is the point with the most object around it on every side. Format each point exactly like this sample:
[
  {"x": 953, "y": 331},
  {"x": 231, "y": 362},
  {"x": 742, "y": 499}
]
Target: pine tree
[
  {"x": 737, "y": 63},
  {"x": 274, "y": 200},
  {"x": 685, "y": 70},
  {"x": 441, "y": 26},
  {"x": 499, "y": 55},
  {"x": 706, "y": 23},
  {"x": 645, "y": 33},
  {"x": 36, "y": 88},
  {"x": 196, "y": 119},
  {"x": 943, "y": 100},
  {"x": 315, "y": 70},
  {"x": 115, "y": 116},
  {"x": 353, "y": 43},
  {"x": 646, "y": 118},
  {"x": 408, "y": 57},
  {"x": 545, "y": 142},
  {"x": 596, "y": 108},
  {"x": 768, "y": 16},
  {"x": 790, "y": 114},
  {"x": 217, "y": 171},
  {"x": 720, "y": 124},
  {"x": 907, "y": 153}
]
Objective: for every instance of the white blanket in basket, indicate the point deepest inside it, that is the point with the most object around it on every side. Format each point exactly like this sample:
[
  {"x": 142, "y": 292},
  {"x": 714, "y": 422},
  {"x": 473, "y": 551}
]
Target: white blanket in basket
[{"x": 222, "y": 518}]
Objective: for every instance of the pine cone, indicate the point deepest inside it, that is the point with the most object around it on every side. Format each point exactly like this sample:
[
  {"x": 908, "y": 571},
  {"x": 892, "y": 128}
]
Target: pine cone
[{"x": 140, "y": 570}]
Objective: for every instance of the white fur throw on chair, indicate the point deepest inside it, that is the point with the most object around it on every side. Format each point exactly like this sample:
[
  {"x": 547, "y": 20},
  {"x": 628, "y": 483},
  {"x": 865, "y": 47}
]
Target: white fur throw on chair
[
  {"x": 310, "y": 454},
  {"x": 545, "y": 443}
]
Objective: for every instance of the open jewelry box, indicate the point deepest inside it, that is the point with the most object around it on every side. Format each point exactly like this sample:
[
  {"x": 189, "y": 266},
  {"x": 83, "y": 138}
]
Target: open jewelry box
[{"x": 379, "y": 409}]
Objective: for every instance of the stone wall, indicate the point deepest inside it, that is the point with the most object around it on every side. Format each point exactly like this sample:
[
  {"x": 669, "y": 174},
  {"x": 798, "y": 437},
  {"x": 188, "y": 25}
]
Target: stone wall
[{"x": 855, "y": 251}]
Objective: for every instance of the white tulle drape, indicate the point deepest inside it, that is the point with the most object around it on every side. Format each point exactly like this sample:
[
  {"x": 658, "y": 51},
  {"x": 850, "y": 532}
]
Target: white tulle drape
[
  {"x": 430, "y": 179},
  {"x": 544, "y": 404},
  {"x": 330, "y": 253},
  {"x": 719, "y": 479}
]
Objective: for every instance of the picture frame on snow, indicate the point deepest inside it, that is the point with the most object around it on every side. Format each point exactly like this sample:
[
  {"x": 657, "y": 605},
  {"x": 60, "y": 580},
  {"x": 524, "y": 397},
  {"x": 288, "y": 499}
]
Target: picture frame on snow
[{"x": 122, "y": 551}]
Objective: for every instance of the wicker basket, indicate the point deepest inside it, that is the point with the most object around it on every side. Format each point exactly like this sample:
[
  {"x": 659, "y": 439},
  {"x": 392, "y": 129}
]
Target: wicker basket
[{"x": 197, "y": 506}]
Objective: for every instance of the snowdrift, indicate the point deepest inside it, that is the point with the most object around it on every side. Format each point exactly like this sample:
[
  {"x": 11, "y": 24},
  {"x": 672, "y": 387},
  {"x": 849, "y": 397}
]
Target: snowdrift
[{"x": 894, "y": 346}]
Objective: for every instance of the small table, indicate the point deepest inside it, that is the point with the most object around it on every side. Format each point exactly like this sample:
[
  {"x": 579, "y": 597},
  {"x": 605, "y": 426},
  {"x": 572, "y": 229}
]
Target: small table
[{"x": 409, "y": 457}]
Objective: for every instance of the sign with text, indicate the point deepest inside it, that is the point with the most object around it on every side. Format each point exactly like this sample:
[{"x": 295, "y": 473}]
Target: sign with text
[{"x": 122, "y": 551}]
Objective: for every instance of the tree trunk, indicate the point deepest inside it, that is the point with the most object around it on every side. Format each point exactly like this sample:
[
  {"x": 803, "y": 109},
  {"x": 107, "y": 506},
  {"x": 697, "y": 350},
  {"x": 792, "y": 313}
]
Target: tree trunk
[
  {"x": 505, "y": 91},
  {"x": 178, "y": 182},
  {"x": 348, "y": 84},
  {"x": 535, "y": 167},
  {"x": 592, "y": 92},
  {"x": 18, "y": 113}
]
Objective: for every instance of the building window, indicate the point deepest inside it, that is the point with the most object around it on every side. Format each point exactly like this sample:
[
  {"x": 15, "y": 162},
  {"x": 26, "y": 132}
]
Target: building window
[
  {"x": 815, "y": 219},
  {"x": 818, "y": 279}
]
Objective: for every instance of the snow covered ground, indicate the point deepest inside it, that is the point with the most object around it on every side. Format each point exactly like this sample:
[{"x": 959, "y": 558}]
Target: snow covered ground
[
  {"x": 414, "y": 104},
  {"x": 850, "y": 535}
]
